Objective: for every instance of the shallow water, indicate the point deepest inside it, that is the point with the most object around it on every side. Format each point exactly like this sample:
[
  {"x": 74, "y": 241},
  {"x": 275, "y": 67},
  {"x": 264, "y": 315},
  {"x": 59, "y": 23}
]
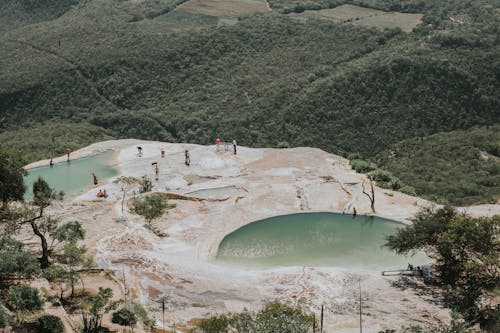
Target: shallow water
[
  {"x": 316, "y": 239},
  {"x": 72, "y": 177}
]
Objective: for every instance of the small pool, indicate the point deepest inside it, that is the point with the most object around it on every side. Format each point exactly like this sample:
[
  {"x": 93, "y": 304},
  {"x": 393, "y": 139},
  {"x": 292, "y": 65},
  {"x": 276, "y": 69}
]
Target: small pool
[
  {"x": 316, "y": 239},
  {"x": 72, "y": 177},
  {"x": 217, "y": 192}
]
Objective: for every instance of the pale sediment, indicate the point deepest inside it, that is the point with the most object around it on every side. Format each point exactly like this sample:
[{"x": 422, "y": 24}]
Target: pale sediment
[{"x": 273, "y": 182}]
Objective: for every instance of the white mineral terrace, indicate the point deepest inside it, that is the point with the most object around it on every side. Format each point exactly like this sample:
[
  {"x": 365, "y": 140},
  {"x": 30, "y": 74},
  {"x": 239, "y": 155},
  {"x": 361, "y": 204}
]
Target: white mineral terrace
[{"x": 269, "y": 182}]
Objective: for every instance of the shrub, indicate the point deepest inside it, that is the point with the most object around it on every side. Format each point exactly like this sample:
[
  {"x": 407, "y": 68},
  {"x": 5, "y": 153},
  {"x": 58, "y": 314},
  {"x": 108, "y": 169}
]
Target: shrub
[
  {"x": 274, "y": 317},
  {"x": 361, "y": 166},
  {"x": 380, "y": 176},
  {"x": 124, "y": 317},
  {"x": 151, "y": 206},
  {"x": 408, "y": 190},
  {"x": 354, "y": 156},
  {"x": 146, "y": 185},
  {"x": 24, "y": 298},
  {"x": 4, "y": 317},
  {"x": 283, "y": 144},
  {"x": 50, "y": 324},
  {"x": 214, "y": 324}
]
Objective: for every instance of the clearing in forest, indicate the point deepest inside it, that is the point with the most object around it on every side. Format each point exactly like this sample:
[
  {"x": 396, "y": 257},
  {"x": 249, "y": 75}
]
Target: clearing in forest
[
  {"x": 224, "y": 8},
  {"x": 363, "y": 16},
  {"x": 195, "y": 14}
]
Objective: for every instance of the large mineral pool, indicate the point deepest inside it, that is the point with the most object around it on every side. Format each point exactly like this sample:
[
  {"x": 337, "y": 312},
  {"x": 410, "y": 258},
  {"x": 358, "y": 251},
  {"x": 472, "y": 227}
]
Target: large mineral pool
[
  {"x": 316, "y": 239},
  {"x": 72, "y": 177}
]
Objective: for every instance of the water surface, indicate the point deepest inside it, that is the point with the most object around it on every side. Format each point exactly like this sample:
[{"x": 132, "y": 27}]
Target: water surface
[
  {"x": 72, "y": 177},
  {"x": 316, "y": 239}
]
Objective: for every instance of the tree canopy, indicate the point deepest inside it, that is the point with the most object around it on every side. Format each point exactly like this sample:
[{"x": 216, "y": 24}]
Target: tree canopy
[{"x": 466, "y": 251}]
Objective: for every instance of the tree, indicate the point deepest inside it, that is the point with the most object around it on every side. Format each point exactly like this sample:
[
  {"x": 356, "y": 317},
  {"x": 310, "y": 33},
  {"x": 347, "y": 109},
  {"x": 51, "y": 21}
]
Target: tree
[
  {"x": 24, "y": 299},
  {"x": 127, "y": 183},
  {"x": 150, "y": 207},
  {"x": 95, "y": 309},
  {"x": 32, "y": 213},
  {"x": 11, "y": 177},
  {"x": 43, "y": 226},
  {"x": 16, "y": 262},
  {"x": 466, "y": 251},
  {"x": 370, "y": 196},
  {"x": 57, "y": 275},
  {"x": 124, "y": 317},
  {"x": 73, "y": 256}
]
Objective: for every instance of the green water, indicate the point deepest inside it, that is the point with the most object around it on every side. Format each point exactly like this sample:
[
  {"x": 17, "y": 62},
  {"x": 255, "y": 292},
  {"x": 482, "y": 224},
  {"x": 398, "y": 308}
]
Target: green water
[
  {"x": 72, "y": 177},
  {"x": 316, "y": 239}
]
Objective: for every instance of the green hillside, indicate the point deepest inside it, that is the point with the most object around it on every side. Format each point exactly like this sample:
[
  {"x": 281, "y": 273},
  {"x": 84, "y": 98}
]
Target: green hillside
[
  {"x": 459, "y": 167},
  {"x": 149, "y": 70}
]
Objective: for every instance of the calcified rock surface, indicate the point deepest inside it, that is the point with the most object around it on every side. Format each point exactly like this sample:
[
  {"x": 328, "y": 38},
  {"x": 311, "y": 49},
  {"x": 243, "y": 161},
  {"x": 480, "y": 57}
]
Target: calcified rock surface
[{"x": 263, "y": 183}]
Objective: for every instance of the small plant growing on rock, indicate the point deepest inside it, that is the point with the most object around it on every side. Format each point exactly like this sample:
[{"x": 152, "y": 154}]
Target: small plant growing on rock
[{"x": 150, "y": 207}]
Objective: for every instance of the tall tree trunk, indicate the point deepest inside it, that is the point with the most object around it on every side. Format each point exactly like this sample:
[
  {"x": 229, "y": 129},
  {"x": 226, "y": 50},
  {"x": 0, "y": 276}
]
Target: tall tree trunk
[{"x": 44, "y": 260}]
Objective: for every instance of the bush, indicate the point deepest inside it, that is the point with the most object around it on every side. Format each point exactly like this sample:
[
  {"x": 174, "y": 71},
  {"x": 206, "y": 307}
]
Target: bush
[
  {"x": 354, "y": 156},
  {"x": 214, "y": 324},
  {"x": 283, "y": 144},
  {"x": 4, "y": 317},
  {"x": 408, "y": 190},
  {"x": 146, "y": 184},
  {"x": 24, "y": 298},
  {"x": 361, "y": 166},
  {"x": 50, "y": 324},
  {"x": 150, "y": 207},
  {"x": 380, "y": 176},
  {"x": 124, "y": 317},
  {"x": 274, "y": 317}
]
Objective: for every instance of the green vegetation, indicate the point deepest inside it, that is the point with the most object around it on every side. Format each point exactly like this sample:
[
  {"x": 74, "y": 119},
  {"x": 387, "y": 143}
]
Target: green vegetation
[
  {"x": 466, "y": 252},
  {"x": 151, "y": 206},
  {"x": 49, "y": 324},
  {"x": 96, "y": 308},
  {"x": 23, "y": 299},
  {"x": 17, "y": 262},
  {"x": 11, "y": 177},
  {"x": 460, "y": 167},
  {"x": 105, "y": 69},
  {"x": 124, "y": 317},
  {"x": 274, "y": 317}
]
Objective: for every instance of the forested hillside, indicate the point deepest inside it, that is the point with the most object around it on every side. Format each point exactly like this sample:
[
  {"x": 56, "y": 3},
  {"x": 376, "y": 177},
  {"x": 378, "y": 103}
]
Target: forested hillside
[{"x": 152, "y": 70}]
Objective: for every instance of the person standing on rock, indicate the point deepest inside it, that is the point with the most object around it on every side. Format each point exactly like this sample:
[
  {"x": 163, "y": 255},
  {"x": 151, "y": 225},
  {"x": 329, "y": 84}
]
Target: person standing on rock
[
  {"x": 157, "y": 170},
  {"x": 139, "y": 150},
  {"x": 187, "y": 158},
  {"x": 217, "y": 143},
  {"x": 162, "y": 153},
  {"x": 234, "y": 147}
]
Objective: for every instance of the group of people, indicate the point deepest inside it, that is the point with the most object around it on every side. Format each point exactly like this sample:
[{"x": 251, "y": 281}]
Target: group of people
[
  {"x": 187, "y": 162},
  {"x": 102, "y": 193},
  {"x": 218, "y": 144}
]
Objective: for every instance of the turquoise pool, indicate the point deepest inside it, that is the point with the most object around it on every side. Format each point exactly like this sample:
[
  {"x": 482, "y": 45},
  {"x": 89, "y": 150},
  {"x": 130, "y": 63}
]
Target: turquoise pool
[
  {"x": 316, "y": 239},
  {"x": 72, "y": 177}
]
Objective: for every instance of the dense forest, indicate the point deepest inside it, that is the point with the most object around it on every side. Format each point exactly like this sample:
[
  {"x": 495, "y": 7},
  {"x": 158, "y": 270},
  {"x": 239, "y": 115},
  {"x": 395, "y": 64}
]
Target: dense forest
[{"x": 82, "y": 71}]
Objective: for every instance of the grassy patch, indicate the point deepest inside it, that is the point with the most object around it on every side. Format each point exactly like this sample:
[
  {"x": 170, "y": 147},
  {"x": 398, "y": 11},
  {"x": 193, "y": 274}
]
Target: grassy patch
[
  {"x": 232, "y": 8},
  {"x": 364, "y": 16}
]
